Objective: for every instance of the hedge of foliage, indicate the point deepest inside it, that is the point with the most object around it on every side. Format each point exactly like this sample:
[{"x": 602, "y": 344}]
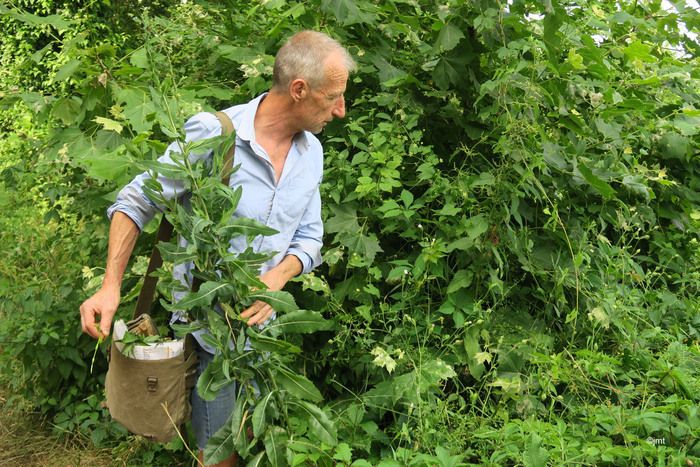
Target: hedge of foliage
[{"x": 511, "y": 210}]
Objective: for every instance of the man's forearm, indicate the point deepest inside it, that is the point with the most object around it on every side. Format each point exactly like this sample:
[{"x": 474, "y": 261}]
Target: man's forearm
[
  {"x": 123, "y": 233},
  {"x": 277, "y": 277}
]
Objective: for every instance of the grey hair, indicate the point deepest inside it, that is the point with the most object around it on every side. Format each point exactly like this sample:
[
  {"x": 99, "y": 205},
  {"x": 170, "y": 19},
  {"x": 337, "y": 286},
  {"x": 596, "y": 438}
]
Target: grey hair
[{"x": 304, "y": 56}]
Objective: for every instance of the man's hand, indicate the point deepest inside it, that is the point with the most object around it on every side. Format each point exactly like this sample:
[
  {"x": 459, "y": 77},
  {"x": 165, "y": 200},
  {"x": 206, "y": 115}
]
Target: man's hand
[
  {"x": 275, "y": 279},
  {"x": 103, "y": 303}
]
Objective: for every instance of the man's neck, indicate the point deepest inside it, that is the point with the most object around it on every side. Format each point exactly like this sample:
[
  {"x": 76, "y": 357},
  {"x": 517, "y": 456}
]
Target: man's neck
[{"x": 274, "y": 120}]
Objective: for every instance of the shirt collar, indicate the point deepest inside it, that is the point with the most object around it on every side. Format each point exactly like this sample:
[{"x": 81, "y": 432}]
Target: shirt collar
[{"x": 246, "y": 127}]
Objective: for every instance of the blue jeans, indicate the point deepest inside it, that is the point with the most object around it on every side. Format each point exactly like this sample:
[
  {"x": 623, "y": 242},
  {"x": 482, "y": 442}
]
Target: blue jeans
[{"x": 209, "y": 416}]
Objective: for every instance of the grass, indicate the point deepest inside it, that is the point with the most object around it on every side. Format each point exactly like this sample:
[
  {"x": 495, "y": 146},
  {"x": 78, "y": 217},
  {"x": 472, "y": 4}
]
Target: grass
[{"x": 26, "y": 440}]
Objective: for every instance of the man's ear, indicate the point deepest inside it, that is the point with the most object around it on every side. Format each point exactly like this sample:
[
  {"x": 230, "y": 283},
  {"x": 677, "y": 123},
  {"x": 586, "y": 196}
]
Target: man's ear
[{"x": 298, "y": 89}]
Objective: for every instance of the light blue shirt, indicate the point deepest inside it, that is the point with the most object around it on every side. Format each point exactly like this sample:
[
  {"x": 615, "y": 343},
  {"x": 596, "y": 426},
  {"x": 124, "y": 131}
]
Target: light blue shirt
[{"x": 292, "y": 206}]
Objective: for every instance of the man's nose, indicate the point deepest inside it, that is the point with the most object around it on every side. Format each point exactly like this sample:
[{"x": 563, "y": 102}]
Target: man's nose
[{"x": 339, "y": 110}]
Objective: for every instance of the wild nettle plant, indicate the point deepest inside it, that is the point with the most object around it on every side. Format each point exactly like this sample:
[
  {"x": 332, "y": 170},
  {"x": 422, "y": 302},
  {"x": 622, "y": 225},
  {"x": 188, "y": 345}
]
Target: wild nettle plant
[{"x": 272, "y": 395}]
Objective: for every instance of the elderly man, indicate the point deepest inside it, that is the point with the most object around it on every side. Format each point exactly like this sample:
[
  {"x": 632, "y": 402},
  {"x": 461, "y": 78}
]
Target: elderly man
[{"x": 281, "y": 168}]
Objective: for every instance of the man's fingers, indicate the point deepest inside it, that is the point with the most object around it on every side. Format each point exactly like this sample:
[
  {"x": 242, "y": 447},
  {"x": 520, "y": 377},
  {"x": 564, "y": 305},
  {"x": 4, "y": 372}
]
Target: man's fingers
[
  {"x": 261, "y": 316},
  {"x": 87, "y": 321},
  {"x": 253, "y": 309}
]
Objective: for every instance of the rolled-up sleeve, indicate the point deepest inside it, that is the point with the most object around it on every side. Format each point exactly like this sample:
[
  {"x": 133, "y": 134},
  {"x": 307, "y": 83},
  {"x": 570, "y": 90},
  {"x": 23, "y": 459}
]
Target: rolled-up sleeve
[
  {"x": 132, "y": 200},
  {"x": 308, "y": 238}
]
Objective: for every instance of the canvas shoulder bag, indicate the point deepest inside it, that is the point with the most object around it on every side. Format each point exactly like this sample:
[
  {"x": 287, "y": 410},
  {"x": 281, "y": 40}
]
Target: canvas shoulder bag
[{"x": 151, "y": 398}]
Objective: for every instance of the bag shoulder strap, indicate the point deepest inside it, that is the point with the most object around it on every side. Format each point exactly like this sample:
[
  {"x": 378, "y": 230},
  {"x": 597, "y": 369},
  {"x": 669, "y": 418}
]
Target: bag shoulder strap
[{"x": 165, "y": 231}]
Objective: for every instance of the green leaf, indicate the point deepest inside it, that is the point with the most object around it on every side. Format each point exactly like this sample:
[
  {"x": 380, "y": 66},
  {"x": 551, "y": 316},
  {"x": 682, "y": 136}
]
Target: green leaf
[
  {"x": 601, "y": 186},
  {"x": 279, "y": 300},
  {"x": 220, "y": 446},
  {"x": 276, "y": 446},
  {"x": 461, "y": 280},
  {"x": 60, "y": 23},
  {"x": 674, "y": 146},
  {"x": 575, "y": 60},
  {"x": 242, "y": 55},
  {"x": 535, "y": 455},
  {"x": 639, "y": 51},
  {"x": 245, "y": 226},
  {"x": 300, "y": 322},
  {"x": 176, "y": 254},
  {"x": 139, "y": 109},
  {"x": 109, "y": 124},
  {"x": 448, "y": 38},
  {"x": 260, "y": 416},
  {"x": 139, "y": 58},
  {"x": 67, "y": 70},
  {"x": 269, "y": 344},
  {"x": 476, "y": 226},
  {"x": 553, "y": 20},
  {"x": 258, "y": 461},
  {"x": 343, "y": 453},
  {"x": 110, "y": 166},
  {"x": 206, "y": 294},
  {"x": 319, "y": 424},
  {"x": 348, "y": 12},
  {"x": 635, "y": 183},
  {"x": 297, "y": 385},
  {"x": 67, "y": 109}
]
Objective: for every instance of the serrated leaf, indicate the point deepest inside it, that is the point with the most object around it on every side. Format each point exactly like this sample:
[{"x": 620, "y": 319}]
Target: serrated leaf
[
  {"x": 110, "y": 166},
  {"x": 67, "y": 109},
  {"x": 67, "y": 70},
  {"x": 140, "y": 58},
  {"x": 448, "y": 38},
  {"x": 297, "y": 385},
  {"x": 109, "y": 124},
  {"x": 139, "y": 109},
  {"x": 348, "y": 12},
  {"x": 60, "y": 23}
]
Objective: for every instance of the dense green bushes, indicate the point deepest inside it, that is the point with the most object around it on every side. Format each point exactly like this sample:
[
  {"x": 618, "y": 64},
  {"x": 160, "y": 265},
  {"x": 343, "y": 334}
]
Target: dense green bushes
[{"x": 511, "y": 215}]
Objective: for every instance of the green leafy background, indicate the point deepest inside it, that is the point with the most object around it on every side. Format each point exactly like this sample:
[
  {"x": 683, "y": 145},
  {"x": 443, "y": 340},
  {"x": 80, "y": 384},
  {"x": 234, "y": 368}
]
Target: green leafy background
[{"x": 511, "y": 211}]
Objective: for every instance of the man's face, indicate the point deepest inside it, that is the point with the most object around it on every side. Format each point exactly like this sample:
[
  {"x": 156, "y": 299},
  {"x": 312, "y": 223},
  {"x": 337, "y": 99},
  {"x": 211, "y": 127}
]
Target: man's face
[{"x": 326, "y": 101}]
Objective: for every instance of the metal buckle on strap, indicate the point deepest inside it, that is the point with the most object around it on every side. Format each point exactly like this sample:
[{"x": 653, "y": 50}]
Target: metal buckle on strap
[{"x": 152, "y": 383}]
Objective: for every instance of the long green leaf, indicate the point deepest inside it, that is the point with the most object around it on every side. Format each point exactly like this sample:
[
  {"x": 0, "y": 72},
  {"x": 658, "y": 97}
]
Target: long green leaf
[
  {"x": 297, "y": 385},
  {"x": 269, "y": 344},
  {"x": 600, "y": 185},
  {"x": 319, "y": 424},
  {"x": 276, "y": 446},
  {"x": 280, "y": 301},
  {"x": 175, "y": 253},
  {"x": 204, "y": 297},
  {"x": 245, "y": 226},
  {"x": 258, "y": 460},
  {"x": 259, "y": 415},
  {"x": 220, "y": 446},
  {"x": 300, "y": 322}
]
